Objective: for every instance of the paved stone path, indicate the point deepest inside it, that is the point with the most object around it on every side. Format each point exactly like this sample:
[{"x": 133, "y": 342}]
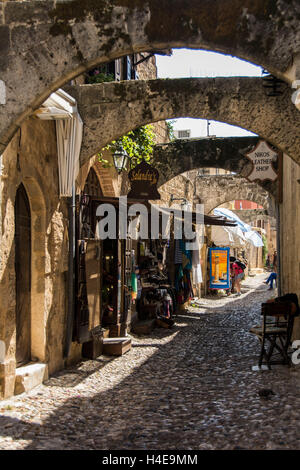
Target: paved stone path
[{"x": 187, "y": 388}]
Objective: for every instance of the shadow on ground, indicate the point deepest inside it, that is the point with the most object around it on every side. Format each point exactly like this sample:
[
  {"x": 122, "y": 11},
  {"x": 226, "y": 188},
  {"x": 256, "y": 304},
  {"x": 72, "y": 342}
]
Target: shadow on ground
[{"x": 196, "y": 391}]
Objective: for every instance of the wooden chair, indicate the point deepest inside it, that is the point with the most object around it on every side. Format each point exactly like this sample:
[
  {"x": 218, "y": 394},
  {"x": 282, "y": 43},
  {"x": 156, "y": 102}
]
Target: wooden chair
[{"x": 275, "y": 331}]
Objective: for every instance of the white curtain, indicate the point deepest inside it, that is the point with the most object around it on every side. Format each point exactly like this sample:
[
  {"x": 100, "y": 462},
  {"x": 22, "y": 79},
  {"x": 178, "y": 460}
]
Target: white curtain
[{"x": 69, "y": 138}]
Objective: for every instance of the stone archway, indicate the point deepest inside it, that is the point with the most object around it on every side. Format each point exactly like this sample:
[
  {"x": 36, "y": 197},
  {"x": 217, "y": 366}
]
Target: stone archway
[
  {"x": 52, "y": 42},
  {"x": 214, "y": 191},
  {"x": 106, "y": 176},
  {"x": 110, "y": 110},
  {"x": 181, "y": 155},
  {"x": 227, "y": 153}
]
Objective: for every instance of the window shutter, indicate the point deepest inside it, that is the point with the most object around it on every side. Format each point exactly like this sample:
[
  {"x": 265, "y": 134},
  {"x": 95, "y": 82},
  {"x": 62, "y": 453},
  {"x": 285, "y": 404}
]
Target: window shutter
[
  {"x": 118, "y": 70},
  {"x": 128, "y": 68}
]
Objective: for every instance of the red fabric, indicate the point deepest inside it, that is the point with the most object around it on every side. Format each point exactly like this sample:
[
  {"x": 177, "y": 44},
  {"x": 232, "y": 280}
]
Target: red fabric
[{"x": 237, "y": 269}]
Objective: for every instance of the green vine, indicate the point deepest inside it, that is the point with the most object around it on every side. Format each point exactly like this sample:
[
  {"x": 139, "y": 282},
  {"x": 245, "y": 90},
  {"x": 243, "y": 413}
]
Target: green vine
[
  {"x": 170, "y": 127},
  {"x": 138, "y": 144},
  {"x": 99, "y": 76}
]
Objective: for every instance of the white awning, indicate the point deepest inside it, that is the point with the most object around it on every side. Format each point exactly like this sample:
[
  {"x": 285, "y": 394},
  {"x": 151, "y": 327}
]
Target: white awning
[
  {"x": 250, "y": 235},
  {"x": 227, "y": 236},
  {"x": 62, "y": 108}
]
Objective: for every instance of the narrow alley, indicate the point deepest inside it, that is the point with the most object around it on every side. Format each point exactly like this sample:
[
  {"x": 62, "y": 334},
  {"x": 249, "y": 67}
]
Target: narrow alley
[{"x": 190, "y": 387}]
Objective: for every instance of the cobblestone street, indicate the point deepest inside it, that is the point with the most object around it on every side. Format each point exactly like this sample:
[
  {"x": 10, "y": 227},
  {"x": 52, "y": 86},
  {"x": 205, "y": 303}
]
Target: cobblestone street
[{"x": 190, "y": 387}]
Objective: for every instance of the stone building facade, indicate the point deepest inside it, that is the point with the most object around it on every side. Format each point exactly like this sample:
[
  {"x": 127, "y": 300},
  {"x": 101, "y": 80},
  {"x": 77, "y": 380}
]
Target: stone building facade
[
  {"x": 220, "y": 189},
  {"x": 34, "y": 250},
  {"x": 30, "y": 163},
  {"x": 50, "y": 44}
]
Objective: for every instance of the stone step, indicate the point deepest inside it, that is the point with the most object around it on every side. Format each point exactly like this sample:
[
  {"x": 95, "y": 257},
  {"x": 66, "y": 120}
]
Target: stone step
[
  {"x": 30, "y": 376},
  {"x": 116, "y": 346}
]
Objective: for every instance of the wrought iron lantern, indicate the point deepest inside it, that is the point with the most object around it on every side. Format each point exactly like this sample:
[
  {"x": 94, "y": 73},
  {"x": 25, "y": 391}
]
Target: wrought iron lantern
[{"x": 120, "y": 158}]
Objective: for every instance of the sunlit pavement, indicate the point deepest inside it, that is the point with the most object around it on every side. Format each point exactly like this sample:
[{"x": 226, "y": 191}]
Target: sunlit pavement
[{"x": 190, "y": 387}]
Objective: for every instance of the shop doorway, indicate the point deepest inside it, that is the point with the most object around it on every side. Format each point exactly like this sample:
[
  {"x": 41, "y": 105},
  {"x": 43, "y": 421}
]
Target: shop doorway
[
  {"x": 88, "y": 263},
  {"x": 23, "y": 276}
]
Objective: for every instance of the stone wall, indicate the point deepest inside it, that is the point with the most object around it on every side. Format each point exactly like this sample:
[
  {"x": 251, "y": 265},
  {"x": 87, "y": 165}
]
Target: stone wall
[
  {"x": 147, "y": 70},
  {"x": 289, "y": 231},
  {"x": 50, "y": 42},
  {"x": 117, "y": 107},
  {"x": 180, "y": 187},
  {"x": 31, "y": 159}
]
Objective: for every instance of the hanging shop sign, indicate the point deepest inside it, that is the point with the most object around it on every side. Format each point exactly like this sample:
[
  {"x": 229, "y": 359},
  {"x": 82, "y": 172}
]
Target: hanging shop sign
[
  {"x": 143, "y": 179},
  {"x": 262, "y": 158},
  {"x": 219, "y": 268}
]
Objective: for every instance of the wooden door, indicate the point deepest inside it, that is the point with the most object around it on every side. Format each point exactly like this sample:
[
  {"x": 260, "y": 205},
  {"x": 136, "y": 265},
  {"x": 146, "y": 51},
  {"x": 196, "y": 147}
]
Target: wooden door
[{"x": 23, "y": 276}]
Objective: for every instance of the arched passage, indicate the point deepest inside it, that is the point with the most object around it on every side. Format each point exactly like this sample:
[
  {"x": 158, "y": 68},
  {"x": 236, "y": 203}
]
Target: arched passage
[
  {"x": 30, "y": 272},
  {"x": 110, "y": 110},
  {"x": 262, "y": 222},
  {"x": 38, "y": 268},
  {"x": 214, "y": 191},
  {"x": 104, "y": 174},
  {"x": 181, "y": 155},
  {"x": 227, "y": 153},
  {"x": 52, "y": 42}
]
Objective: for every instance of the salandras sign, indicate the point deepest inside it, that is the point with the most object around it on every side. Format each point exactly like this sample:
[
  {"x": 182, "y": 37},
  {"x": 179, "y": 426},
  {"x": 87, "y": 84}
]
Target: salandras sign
[
  {"x": 143, "y": 180},
  {"x": 262, "y": 158}
]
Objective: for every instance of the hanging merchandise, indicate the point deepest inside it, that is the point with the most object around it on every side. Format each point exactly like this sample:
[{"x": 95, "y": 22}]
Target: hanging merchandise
[
  {"x": 134, "y": 288},
  {"x": 197, "y": 274},
  {"x": 186, "y": 256},
  {"x": 157, "y": 298},
  {"x": 179, "y": 283},
  {"x": 178, "y": 252},
  {"x": 196, "y": 263}
]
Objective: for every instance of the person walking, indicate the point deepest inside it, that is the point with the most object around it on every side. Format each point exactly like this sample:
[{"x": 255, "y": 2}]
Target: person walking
[
  {"x": 232, "y": 276},
  {"x": 238, "y": 276},
  {"x": 271, "y": 279}
]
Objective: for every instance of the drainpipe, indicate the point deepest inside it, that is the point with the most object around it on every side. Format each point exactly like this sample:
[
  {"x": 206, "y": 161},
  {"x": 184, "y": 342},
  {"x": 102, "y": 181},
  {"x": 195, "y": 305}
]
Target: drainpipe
[
  {"x": 71, "y": 264},
  {"x": 278, "y": 235},
  {"x": 1, "y": 168}
]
